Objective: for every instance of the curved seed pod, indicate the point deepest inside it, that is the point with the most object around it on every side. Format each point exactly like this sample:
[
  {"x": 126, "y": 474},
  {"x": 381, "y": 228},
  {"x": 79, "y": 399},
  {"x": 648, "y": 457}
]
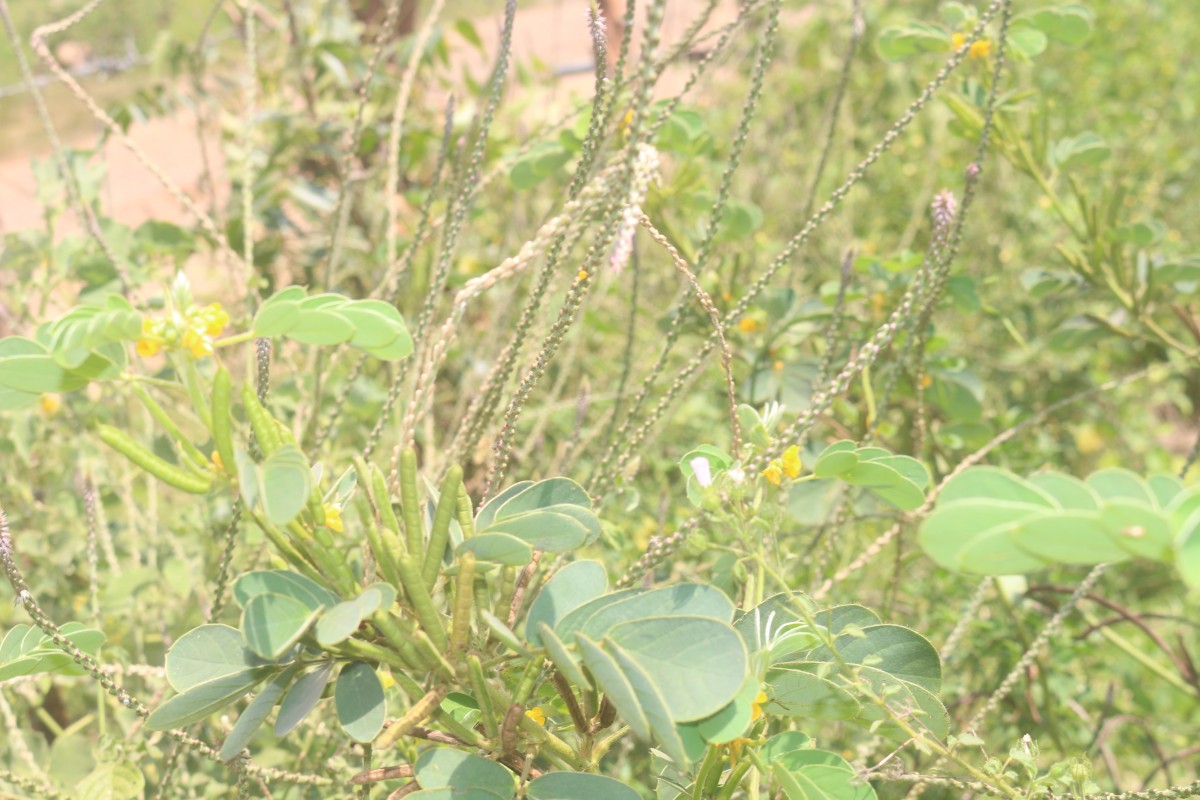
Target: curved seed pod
[
  {"x": 439, "y": 534},
  {"x": 165, "y": 472},
  {"x": 487, "y": 709},
  {"x": 222, "y": 421},
  {"x": 192, "y": 457}
]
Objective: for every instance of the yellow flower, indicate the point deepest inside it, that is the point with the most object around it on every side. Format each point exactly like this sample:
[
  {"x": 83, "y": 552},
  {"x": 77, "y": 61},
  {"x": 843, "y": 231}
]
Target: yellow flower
[
  {"x": 792, "y": 465},
  {"x": 197, "y": 342},
  {"x": 773, "y": 473},
  {"x": 749, "y": 325},
  {"x": 735, "y": 750},
  {"x": 926, "y": 381},
  {"x": 583, "y": 275},
  {"x": 333, "y": 518},
  {"x": 981, "y": 49},
  {"x": 756, "y": 711},
  {"x": 217, "y": 462},
  {"x": 50, "y": 404},
  {"x": 777, "y": 366},
  {"x": 151, "y": 342},
  {"x": 537, "y": 715},
  {"x": 213, "y": 319}
]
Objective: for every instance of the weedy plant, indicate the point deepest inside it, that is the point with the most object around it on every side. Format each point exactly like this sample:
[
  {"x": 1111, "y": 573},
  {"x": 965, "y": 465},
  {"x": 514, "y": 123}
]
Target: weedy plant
[{"x": 381, "y": 492}]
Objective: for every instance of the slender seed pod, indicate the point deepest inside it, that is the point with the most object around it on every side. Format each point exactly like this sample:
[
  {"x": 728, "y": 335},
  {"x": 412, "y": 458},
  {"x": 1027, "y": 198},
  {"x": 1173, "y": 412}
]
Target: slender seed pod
[
  {"x": 466, "y": 518},
  {"x": 482, "y": 595},
  {"x": 266, "y": 432},
  {"x": 420, "y": 712},
  {"x": 709, "y": 777},
  {"x": 383, "y": 500},
  {"x": 192, "y": 457},
  {"x": 434, "y": 655},
  {"x": 410, "y": 501},
  {"x": 165, "y": 472},
  {"x": 508, "y": 587},
  {"x": 487, "y": 709},
  {"x": 464, "y": 599},
  {"x": 384, "y": 558},
  {"x": 400, "y": 639},
  {"x": 439, "y": 535},
  {"x": 422, "y": 603},
  {"x": 222, "y": 420},
  {"x": 528, "y": 680}
]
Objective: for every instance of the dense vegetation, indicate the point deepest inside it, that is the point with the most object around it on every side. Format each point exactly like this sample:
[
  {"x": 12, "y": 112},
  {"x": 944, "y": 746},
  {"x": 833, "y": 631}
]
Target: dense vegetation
[{"x": 821, "y": 431}]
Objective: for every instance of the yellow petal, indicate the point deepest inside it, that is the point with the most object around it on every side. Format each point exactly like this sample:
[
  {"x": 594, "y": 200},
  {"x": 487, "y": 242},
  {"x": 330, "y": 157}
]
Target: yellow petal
[
  {"x": 147, "y": 347},
  {"x": 537, "y": 715},
  {"x": 333, "y": 518},
  {"x": 773, "y": 473},
  {"x": 792, "y": 465}
]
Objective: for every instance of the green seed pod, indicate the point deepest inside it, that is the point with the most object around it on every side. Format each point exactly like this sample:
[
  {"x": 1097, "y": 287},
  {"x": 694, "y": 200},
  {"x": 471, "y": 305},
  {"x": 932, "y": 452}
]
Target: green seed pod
[
  {"x": 193, "y": 459},
  {"x": 222, "y": 421},
  {"x": 439, "y": 535},
  {"x": 414, "y": 531},
  {"x": 464, "y": 598},
  {"x": 422, "y": 603},
  {"x": 165, "y": 472},
  {"x": 266, "y": 432}
]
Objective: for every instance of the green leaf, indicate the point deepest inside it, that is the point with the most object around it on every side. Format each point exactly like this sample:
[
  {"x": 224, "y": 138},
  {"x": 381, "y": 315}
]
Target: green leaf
[
  {"x": 1086, "y": 149},
  {"x": 276, "y": 317},
  {"x": 731, "y": 721},
  {"x": 273, "y": 623},
  {"x": 487, "y": 514},
  {"x": 1117, "y": 482},
  {"x": 316, "y": 326},
  {"x": 796, "y": 692},
  {"x": 886, "y": 483},
  {"x": 205, "y": 698},
  {"x": 302, "y": 698},
  {"x": 498, "y": 548},
  {"x": 698, "y": 664},
  {"x": 611, "y": 680},
  {"x": 835, "y": 464},
  {"x": 279, "y": 581},
  {"x": 654, "y": 705},
  {"x": 1027, "y": 40},
  {"x": 740, "y": 220},
  {"x": 1187, "y": 551},
  {"x": 558, "y": 653},
  {"x": 207, "y": 653},
  {"x": 339, "y": 623},
  {"x": 37, "y": 374},
  {"x": 543, "y": 530},
  {"x": 684, "y": 599},
  {"x": 359, "y": 700},
  {"x": 285, "y": 481},
  {"x": 992, "y": 483},
  {"x": 946, "y": 533},
  {"x": 578, "y": 786},
  {"x": 112, "y": 780},
  {"x": 1165, "y": 488},
  {"x": 1067, "y": 490},
  {"x": 568, "y": 589},
  {"x": 1071, "y": 23},
  {"x": 542, "y": 495},
  {"x": 445, "y": 767},
  {"x": 574, "y": 620},
  {"x": 1068, "y": 537},
  {"x": 894, "y": 649},
  {"x": 900, "y": 42},
  {"x": 255, "y": 714}
]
